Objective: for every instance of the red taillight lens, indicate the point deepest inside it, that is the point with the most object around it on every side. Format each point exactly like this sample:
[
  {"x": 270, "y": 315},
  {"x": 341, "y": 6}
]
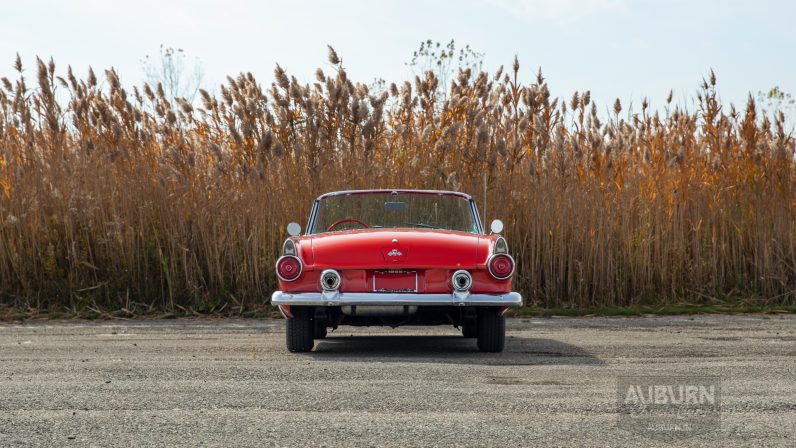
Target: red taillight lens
[
  {"x": 501, "y": 266},
  {"x": 288, "y": 268}
]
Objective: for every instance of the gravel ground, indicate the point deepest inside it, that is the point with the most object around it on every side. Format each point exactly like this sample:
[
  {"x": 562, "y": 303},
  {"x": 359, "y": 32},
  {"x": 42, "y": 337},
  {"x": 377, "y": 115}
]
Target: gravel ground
[{"x": 232, "y": 383}]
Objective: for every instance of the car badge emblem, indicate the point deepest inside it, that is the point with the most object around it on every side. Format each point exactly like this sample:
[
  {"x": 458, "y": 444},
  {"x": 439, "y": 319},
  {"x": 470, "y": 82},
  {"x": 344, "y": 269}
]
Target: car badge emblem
[{"x": 394, "y": 254}]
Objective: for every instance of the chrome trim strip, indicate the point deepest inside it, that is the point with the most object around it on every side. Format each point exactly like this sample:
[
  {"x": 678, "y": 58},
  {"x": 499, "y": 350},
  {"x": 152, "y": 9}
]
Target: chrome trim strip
[
  {"x": 315, "y": 204},
  {"x": 399, "y": 190},
  {"x": 367, "y": 298},
  {"x": 311, "y": 220},
  {"x": 513, "y": 266},
  {"x": 477, "y": 217}
]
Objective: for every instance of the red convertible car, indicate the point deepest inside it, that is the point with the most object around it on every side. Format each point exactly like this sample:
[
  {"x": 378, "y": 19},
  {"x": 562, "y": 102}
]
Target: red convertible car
[{"x": 395, "y": 257}]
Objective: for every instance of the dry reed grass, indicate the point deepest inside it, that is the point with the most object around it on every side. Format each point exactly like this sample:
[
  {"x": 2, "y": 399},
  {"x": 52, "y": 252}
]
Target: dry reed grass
[{"x": 117, "y": 199}]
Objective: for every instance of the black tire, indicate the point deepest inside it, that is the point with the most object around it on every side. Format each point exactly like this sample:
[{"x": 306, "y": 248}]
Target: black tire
[
  {"x": 491, "y": 330},
  {"x": 320, "y": 330},
  {"x": 300, "y": 330},
  {"x": 470, "y": 329}
]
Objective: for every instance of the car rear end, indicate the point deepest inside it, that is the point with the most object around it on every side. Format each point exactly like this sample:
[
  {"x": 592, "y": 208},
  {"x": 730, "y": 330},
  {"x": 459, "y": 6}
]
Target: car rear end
[{"x": 395, "y": 277}]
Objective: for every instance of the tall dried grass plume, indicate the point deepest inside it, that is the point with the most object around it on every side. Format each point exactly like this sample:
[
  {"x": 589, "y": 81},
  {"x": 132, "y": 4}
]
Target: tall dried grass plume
[{"x": 122, "y": 199}]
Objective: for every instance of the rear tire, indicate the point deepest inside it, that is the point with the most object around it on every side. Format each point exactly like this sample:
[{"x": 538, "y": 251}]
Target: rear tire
[
  {"x": 491, "y": 330},
  {"x": 300, "y": 330}
]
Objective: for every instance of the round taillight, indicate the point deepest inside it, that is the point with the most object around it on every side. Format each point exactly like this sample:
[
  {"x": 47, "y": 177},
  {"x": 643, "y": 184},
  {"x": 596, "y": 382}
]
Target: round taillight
[
  {"x": 501, "y": 266},
  {"x": 288, "y": 268}
]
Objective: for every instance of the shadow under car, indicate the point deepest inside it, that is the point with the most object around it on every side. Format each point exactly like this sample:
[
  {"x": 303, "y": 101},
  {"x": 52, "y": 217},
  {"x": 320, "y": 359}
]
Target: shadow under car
[{"x": 450, "y": 349}]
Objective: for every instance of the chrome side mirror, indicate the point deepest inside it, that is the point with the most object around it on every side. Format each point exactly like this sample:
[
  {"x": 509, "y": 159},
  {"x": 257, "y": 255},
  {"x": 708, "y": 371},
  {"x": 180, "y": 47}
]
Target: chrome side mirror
[
  {"x": 293, "y": 229},
  {"x": 496, "y": 226}
]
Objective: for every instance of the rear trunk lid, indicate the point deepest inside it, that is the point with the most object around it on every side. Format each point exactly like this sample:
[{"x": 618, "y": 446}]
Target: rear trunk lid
[{"x": 394, "y": 249}]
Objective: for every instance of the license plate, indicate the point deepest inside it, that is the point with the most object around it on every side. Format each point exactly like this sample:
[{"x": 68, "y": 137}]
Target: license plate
[{"x": 394, "y": 281}]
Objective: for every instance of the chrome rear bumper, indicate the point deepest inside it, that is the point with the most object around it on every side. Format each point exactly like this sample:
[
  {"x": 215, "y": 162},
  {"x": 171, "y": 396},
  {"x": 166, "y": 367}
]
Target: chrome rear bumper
[{"x": 334, "y": 298}]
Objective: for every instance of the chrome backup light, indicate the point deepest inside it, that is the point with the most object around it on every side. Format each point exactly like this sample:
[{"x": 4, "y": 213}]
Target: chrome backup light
[
  {"x": 289, "y": 248},
  {"x": 462, "y": 280},
  {"x": 330, "y": 280},
  {"x": 501, "y": 247}
]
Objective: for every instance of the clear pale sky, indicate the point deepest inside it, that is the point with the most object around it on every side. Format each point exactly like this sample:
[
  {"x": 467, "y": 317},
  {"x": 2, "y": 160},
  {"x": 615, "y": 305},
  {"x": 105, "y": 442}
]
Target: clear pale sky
[{"x": 616, "y": 48}]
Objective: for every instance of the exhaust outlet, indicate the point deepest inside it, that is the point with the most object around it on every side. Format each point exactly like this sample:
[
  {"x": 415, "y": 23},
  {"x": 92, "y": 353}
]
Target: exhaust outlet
[
  {"x": 330, "y": 280},
  {"x": 461, "y": 280}
]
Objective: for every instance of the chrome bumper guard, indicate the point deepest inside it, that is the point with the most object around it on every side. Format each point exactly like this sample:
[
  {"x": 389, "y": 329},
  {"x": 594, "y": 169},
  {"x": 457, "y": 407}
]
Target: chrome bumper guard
[{"x": 334, "y": 298}]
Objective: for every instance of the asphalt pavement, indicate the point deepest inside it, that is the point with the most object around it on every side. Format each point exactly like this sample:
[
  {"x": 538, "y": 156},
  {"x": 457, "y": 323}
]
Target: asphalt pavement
[{"x": 228, "y": 382}]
